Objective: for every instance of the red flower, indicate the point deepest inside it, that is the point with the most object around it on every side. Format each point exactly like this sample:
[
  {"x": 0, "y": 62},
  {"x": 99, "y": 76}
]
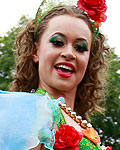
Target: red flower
[
  {"x": 67, "y": 138},
  {"x": 109, "y": 148},
  {"x": 94, "y": 8}
]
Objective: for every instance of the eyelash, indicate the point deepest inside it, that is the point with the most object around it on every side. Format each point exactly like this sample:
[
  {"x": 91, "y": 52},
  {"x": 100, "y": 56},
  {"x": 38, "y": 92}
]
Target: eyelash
[
  {"x": 57, "y": 43},
  {"x": 80, "y": 48}
]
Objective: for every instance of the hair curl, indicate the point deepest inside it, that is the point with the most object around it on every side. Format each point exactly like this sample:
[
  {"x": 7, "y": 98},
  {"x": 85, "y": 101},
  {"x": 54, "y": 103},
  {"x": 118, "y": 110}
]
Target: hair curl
[{"x": 26, "y": 76}]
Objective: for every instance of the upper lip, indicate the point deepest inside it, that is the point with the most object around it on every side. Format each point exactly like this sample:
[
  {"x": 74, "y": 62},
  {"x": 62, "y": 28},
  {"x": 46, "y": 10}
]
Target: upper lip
[{"x": 66, "y": 64}]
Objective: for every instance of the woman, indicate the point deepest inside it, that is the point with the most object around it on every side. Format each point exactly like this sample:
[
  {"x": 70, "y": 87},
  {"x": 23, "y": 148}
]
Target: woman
[{"x": 61, "y": 53}]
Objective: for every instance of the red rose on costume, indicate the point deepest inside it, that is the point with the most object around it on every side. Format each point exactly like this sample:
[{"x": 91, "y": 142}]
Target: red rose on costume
[
  {"x": 109, "y": 148},
  {"x": 94, "y": 8},
  {"x": 67, "y": 138}
]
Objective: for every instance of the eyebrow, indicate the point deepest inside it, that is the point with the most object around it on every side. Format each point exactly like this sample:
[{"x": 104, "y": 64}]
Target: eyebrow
[
  {"x": 58, "y": 33},
  {"x": 82, "y": 39}
]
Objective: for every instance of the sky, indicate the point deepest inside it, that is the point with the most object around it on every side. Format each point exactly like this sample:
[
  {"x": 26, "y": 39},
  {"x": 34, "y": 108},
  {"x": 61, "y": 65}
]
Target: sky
[{"x": 12, "y": 10}]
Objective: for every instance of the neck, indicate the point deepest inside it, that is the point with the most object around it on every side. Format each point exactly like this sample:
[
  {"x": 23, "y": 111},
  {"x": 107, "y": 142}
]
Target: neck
[{"x": 68, "y": 95}]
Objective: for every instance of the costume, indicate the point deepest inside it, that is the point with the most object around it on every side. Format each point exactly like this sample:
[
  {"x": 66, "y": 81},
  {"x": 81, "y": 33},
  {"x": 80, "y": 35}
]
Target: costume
[{"x": 27, "y": 119}]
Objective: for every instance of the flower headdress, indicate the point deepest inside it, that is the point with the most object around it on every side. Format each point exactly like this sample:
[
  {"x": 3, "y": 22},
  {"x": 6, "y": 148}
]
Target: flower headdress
[{"x": 95, "y": 9}]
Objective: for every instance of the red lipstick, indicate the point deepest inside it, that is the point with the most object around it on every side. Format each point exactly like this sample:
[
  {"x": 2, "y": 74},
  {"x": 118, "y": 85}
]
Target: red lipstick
[{"x": 64, "y": 72}]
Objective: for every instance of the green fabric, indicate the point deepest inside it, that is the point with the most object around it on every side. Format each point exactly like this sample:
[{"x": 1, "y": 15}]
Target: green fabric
[
  {"x": 43, "y": 92},
  {"x": 85, "y": 143},
  {"x": 40, "y": 91},
  {"x": 62, "y": 119},
  {"x": 56, "y": 112}
]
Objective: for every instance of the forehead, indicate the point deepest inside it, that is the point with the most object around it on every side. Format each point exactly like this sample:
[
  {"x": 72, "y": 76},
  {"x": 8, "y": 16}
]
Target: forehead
[{"x": 69, "y": 25}]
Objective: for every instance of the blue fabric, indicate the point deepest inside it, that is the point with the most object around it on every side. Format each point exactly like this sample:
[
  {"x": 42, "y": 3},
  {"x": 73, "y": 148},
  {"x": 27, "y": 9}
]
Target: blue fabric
[{"x": 27, "y": 119}]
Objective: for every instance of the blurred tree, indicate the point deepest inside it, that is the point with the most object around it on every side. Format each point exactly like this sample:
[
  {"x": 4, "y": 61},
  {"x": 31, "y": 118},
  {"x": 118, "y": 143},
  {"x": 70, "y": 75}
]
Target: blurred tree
[
  {"x": 7, "y": 45},
  {"x": 108, "y": 125}
]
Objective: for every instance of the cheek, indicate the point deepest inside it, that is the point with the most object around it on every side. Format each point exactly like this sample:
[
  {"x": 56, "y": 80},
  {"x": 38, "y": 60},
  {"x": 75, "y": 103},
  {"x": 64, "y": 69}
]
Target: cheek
[
  {"x": 83, "y": 61},
  {"x": 43, "y": 55},
  {"x": 82, "y": 66},
  {"x": 48, "y": 57},
  {"x": 87, "y": 60}
]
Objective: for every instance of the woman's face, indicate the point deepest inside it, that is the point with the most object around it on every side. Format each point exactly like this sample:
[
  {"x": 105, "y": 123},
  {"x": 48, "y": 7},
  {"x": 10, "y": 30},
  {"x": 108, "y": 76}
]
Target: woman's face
[{"x": 63, "y": 53}]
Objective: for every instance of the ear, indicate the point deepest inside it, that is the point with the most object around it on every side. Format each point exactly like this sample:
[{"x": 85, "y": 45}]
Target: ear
[{"x": 35, "y": 56}]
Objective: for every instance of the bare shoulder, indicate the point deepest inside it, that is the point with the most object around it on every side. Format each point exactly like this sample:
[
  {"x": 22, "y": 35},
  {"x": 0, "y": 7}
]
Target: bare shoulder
[{"x": 39, "y": 147}]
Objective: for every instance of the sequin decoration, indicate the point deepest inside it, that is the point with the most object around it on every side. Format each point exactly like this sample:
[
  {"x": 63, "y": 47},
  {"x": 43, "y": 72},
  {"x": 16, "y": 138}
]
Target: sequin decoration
[{"x": 46, "y": 6}]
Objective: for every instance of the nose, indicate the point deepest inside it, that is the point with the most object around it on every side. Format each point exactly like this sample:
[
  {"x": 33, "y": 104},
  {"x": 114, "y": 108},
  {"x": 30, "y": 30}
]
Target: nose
[{"x": 68, "y": 53}]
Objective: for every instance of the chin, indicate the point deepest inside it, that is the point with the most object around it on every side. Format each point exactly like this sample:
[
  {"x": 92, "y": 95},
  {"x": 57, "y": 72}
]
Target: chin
[{"x": 65, "y": 88}]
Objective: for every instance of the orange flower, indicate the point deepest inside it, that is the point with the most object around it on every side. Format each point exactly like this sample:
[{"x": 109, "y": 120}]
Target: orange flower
[{"x": 92, "y": 135}]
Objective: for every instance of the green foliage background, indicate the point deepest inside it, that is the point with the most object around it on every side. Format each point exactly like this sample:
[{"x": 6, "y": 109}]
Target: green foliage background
[
  {"x": 108, "y": 125},
  {"x": 7, "y": 46}
]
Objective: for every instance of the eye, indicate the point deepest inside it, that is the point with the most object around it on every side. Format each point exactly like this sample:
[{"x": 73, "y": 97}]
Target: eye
[
  {"x": 81, "y": 47},
  {"x": 56, "y": 41}
]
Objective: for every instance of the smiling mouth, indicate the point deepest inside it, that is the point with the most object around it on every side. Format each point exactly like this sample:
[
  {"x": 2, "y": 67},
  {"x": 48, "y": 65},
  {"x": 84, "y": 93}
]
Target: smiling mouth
[{"x": 65, "y": 70}]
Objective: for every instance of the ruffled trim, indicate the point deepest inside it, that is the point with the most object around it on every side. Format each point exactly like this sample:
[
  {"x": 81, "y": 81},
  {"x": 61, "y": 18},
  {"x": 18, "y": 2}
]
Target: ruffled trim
[
  {"x": 27, "y": 119},
  {"x": 47, "y": 133}
]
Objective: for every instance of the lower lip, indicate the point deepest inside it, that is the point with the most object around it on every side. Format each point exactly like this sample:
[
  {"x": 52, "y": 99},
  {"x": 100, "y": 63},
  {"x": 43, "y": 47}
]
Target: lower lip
[{"x": 63, "y": 74}]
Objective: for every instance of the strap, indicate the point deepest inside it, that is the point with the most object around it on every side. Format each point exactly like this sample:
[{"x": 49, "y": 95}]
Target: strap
[
  {"x": 62, "y": 119},
  {"x": 43, "y": 92}
]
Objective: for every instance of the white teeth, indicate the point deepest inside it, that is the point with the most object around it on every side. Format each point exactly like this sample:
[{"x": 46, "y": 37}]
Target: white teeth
[{"x": 65, "y": 67}]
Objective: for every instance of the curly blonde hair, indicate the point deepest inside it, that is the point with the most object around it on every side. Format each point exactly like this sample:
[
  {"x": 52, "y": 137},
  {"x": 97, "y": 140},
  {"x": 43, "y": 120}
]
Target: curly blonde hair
[{"x": 26, "y": 76}]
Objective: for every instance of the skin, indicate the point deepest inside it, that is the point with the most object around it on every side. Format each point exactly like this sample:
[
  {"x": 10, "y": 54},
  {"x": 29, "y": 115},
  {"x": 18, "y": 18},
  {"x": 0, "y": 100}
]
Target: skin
[{"x": 48, "y": 55}]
